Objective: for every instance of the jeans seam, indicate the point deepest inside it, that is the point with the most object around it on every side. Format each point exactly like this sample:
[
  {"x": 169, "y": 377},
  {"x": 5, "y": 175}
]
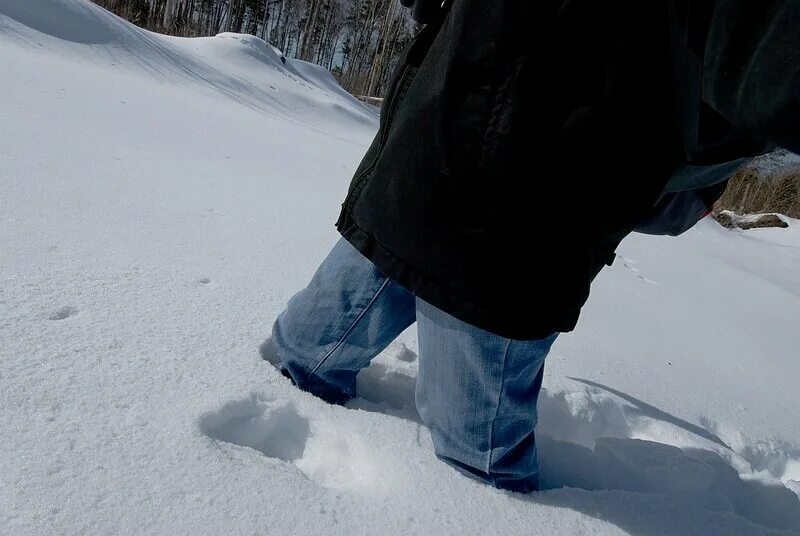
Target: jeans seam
[
  {"x": 351, "y": 328},
  {"x": 497, "y": 412}
]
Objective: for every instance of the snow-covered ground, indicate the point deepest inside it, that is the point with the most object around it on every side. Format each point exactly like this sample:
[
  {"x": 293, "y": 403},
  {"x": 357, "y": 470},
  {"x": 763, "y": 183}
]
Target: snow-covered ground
[{"x": 161, "y": 199}]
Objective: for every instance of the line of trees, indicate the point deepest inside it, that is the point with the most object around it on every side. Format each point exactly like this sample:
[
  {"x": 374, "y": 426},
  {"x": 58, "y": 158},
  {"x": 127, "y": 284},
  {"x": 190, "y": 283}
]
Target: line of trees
[
  {"x": 753, "y": 192},
  {"x": 358, "y": 40}
]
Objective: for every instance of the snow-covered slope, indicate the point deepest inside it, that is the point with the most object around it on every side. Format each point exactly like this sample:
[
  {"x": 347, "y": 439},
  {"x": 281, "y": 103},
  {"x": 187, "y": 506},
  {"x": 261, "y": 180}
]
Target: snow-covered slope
[
  {"x": 776, "y": 161},
  {"x": 161, "y": 199},
  {"x": 240, "y": 68}
]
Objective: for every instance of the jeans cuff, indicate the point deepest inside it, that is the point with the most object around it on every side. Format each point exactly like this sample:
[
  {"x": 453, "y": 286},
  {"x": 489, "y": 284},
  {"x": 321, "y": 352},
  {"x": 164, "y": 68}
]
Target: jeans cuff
[{"x": 313, "y": 384}]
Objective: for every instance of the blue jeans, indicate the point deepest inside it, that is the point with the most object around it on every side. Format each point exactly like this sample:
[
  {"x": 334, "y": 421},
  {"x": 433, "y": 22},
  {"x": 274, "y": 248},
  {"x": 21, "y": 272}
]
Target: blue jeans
[{"x": 476, "y": 391}]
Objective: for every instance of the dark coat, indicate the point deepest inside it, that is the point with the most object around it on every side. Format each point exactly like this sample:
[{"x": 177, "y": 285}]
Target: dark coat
[{"x": 521, "y": 141}]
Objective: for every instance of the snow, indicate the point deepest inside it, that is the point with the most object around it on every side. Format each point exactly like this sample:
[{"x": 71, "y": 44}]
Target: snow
[
  {"x": 162, "y": 198},
  {"x": 742, "y": 220},
  {"x": 775, "y": 161}
]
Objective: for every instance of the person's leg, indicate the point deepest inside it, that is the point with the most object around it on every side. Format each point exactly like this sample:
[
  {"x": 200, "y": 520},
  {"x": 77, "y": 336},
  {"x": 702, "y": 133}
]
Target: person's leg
[
  {"x": 330, "y": 330},
  {"x": 476, "y": 393}
]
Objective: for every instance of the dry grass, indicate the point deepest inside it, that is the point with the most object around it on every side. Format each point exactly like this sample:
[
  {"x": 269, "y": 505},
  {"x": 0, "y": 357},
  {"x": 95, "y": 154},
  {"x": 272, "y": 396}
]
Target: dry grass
[{"x": 752, "y": 192}]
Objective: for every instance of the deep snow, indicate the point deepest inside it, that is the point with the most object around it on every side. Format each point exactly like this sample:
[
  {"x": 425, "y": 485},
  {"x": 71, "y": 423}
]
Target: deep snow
[{"x": 162, "y": 198}]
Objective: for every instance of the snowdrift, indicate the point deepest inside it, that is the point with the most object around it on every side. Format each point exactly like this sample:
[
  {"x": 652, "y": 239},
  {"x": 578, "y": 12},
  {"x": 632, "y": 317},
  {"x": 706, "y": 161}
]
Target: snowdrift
[{"x": 239, "y": 67}]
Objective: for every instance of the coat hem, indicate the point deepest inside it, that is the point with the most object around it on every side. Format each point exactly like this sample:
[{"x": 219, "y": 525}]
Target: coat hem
[{"x": 437, "y": 295}]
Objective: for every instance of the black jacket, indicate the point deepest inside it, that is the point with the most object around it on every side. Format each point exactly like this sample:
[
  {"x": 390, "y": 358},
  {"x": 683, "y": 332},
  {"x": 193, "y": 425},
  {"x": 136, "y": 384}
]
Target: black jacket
[{"x": 521, "y": 141}]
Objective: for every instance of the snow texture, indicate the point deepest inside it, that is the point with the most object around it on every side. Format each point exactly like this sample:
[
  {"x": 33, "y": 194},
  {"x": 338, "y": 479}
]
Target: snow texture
[
  {"x": 775, "y": 161},
  {"x": 160, "y": 201}
]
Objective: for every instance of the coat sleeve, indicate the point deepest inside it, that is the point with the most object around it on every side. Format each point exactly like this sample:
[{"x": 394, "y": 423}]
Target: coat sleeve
[
  {"x": 678, "y": 212},
  {"x": 751, "y": 67}
]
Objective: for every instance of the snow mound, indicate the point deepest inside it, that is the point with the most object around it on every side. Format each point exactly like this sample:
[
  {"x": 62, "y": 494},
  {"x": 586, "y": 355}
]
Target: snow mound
[
  {"x": 239, "y": 45},
  {"x": 775, "y": 161},
  {"x": 77, "y": 22},
  {"x": 242, "y": 68}
]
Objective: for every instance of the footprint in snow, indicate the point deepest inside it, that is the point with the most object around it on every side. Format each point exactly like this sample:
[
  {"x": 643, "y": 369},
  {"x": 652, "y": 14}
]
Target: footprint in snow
[
  {"x": 631, "y": 265},
  {"x": 323, "y": 451},
  {"x": 65, "y": 312},
  {"x": 405, "y": 354},
  {"x": 279, "y": 433}
]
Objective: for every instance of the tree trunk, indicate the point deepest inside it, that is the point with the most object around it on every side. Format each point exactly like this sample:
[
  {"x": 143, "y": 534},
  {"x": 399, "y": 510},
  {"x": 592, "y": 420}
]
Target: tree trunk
[{"x": 377, "y": 61}]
